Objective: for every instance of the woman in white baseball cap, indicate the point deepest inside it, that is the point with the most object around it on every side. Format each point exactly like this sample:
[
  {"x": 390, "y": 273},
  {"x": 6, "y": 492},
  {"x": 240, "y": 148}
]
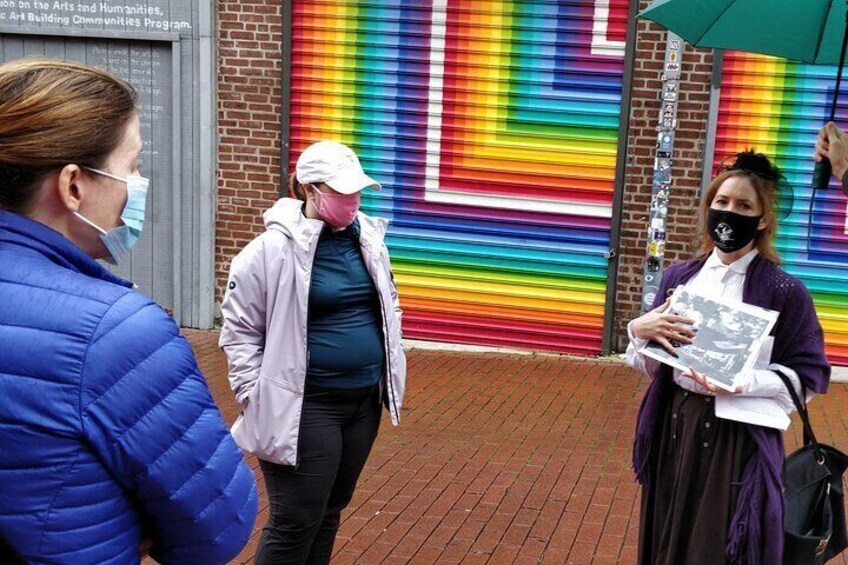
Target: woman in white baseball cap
[{"x": 312, "y": 332}]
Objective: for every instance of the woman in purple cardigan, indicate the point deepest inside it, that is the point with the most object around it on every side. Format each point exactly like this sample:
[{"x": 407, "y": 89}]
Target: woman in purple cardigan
[{"x": 710, "y": 461}]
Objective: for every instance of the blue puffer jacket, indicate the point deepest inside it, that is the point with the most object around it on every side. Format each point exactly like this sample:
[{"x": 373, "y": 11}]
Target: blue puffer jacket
[{"x": 108, "y": 432}]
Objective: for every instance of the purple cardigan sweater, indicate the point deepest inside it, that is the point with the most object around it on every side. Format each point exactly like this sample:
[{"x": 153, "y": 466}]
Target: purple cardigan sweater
[{"x": 756, "y": 529}]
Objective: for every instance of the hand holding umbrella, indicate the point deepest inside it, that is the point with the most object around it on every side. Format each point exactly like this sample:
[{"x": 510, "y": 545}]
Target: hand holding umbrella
[
  {"x": 824, "y": 166},
  {"x": 832, "y": 145}
]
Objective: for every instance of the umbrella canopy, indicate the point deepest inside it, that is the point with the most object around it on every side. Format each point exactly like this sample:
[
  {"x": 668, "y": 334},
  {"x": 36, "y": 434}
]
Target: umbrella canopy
[
  {"x": 811, "y": 31},
  {"x": 803, "y": 30}
]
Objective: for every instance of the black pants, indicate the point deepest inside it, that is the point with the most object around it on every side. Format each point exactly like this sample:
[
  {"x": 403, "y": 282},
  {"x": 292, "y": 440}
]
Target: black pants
[{"x": 337, "y": 430}]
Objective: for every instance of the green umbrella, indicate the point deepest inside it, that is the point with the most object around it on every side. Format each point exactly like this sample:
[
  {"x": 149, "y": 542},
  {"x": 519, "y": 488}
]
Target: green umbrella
[{"x": 812, "y": 31}]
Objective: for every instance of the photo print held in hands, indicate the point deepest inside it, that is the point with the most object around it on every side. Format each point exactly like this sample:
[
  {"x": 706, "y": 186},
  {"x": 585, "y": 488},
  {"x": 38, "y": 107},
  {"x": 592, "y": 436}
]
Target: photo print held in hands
[{"x": 729, "y": 335}]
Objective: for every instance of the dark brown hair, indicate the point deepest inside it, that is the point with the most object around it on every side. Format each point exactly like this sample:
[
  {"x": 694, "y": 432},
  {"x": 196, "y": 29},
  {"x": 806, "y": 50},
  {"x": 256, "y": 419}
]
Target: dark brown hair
[
  {"x": 54, "y": 113},
  {"x": 767, "y": 195},
  {"x": 296, "y": 189}
]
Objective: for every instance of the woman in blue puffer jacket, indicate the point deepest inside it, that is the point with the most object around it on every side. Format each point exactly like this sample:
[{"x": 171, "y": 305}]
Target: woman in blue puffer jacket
[{"x": 110, "y": 442}]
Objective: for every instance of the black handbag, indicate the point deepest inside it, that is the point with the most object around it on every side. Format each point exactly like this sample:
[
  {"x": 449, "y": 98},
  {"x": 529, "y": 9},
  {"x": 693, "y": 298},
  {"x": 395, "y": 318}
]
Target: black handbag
[{"x": 813, "y": 495}]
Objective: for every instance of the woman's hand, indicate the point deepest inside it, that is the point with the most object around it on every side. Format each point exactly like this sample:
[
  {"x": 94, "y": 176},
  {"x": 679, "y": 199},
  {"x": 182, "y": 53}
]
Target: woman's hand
[
  {"x": 833, "y": 144},
  {"x": 702, "y": 380},
  {"x": 662, "y": 327}
]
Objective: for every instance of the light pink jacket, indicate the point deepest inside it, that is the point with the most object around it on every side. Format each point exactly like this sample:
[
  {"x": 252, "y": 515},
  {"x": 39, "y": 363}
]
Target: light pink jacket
[{"x": 264, "y": 332}]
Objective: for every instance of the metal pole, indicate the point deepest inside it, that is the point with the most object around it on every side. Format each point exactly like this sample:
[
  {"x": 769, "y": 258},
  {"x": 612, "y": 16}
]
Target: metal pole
[
  {"x": 610, "y": 317},
  {"x": 285, "y": 98},
  {"x": 712, "y": 120},
  {"x": 652, "y": 268}
]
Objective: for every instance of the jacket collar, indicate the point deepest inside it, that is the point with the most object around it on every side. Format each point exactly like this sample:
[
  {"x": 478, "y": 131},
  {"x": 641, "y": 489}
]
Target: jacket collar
[
  {"x": 286, "y": 216},
  {"x": 739, "y": 266},
  {"x": 37, "y": 237},
  {"x": 372, "y": 230}
]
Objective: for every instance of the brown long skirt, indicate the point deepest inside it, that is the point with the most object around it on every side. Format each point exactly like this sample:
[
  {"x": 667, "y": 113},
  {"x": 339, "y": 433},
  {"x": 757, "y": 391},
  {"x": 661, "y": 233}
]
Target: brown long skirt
[{"x": 686, "y": 510}]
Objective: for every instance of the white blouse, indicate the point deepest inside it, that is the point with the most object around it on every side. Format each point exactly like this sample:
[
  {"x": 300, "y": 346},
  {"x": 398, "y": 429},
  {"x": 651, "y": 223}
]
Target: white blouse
[{"x": 764, "y": 400}]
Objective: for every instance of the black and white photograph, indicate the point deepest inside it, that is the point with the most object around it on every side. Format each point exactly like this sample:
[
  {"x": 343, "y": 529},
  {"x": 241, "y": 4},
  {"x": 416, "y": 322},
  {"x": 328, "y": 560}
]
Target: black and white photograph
[{"x": 728, "y": 337}]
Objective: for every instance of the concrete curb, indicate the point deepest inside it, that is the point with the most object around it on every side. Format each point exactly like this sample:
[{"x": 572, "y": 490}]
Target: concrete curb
[
  {"x": 410, "y": 344},
  {"x": 839, "y": 375}
]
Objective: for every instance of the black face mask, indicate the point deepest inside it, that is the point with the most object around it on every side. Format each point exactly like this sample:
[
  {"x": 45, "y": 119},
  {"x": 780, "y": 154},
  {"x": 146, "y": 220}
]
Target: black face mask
[{"x": 731, "y": 231}]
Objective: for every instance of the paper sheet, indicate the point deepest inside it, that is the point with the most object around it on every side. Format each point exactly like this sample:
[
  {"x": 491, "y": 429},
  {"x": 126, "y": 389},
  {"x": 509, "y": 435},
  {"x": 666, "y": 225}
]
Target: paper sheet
[{"x": 754, "y": 410}]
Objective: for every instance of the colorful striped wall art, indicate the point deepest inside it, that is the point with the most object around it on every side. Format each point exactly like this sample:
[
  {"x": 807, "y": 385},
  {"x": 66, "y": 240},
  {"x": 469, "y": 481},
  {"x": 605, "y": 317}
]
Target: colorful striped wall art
[
  {"x": 778, "y": 106},
  {"x": 493, "y": 127}
]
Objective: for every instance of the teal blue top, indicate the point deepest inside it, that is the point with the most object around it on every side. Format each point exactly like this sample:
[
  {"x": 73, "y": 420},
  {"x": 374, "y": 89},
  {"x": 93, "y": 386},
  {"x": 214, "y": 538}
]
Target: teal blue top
[{"x": 345, "y": 335}]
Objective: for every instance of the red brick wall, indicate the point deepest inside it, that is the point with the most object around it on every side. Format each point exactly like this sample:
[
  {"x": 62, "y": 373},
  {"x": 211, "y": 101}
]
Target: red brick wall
[
  {"x": 690, "y": 139},
  {"x": 249, "y": 105}
]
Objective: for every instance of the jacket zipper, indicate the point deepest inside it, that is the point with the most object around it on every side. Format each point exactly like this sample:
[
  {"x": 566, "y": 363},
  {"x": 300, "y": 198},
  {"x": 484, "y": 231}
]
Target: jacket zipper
[
  {"x": 385, "y": 330},
  {"x": 312, "y": 253},
  {"x": 388, "y": 355}
]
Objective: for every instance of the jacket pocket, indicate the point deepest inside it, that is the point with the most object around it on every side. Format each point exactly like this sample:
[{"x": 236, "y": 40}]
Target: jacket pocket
[{"x": 268, "y": 425}]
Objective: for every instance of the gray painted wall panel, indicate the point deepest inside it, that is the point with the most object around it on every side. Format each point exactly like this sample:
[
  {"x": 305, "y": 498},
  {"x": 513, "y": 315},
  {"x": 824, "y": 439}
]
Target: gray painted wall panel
[{"x": 159, "y": 46}]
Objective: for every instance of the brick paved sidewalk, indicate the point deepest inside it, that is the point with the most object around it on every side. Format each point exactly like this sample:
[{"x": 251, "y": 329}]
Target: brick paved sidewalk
[{"x": 499, "y": 459}]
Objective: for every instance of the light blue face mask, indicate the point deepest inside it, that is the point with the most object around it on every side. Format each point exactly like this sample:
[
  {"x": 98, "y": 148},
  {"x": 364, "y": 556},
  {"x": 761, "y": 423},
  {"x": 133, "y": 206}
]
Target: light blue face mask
[{"x": 119, "y": 241}]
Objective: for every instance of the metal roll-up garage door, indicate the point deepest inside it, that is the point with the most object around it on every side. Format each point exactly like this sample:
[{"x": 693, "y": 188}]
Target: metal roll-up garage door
[
  {"x": 494, "y": 129},
  {"x": 777, "y": 107}
]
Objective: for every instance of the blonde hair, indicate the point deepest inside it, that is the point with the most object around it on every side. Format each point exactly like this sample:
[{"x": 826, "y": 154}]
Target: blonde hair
[
  {"x": 767, "y": 195},
  {"x": 54, "y": 113}
]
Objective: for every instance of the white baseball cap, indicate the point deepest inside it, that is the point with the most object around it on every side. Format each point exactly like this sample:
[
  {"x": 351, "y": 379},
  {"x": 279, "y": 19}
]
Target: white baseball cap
[{"x": 334, "y": 164}]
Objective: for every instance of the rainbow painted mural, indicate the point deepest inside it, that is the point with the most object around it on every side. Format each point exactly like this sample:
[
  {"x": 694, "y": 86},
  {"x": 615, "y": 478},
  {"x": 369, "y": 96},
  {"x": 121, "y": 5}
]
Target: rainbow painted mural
[
  {"x": 493, "y": 127},
  {"x": 778, "y": 106}
]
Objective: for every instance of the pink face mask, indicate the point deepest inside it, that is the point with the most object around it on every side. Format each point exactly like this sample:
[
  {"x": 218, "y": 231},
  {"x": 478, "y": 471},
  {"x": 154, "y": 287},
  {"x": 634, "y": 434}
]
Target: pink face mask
[{"x": 338, "y": 210}]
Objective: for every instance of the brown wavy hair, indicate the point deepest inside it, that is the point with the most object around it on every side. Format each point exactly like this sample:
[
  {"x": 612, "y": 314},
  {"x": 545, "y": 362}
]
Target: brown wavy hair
[
  {"x": 767, "y": 195},
  {"x": 54, "y": 113}
]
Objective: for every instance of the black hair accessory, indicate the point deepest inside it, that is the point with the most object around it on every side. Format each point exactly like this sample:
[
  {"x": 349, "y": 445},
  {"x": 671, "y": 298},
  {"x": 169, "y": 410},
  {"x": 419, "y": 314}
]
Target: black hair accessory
[{"x": 751, "y": 162}]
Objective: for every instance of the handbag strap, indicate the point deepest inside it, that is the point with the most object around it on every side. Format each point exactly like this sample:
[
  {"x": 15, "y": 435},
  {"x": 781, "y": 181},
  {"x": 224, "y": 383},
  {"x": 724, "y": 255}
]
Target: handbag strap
[{"x": 801, "y": 406}]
